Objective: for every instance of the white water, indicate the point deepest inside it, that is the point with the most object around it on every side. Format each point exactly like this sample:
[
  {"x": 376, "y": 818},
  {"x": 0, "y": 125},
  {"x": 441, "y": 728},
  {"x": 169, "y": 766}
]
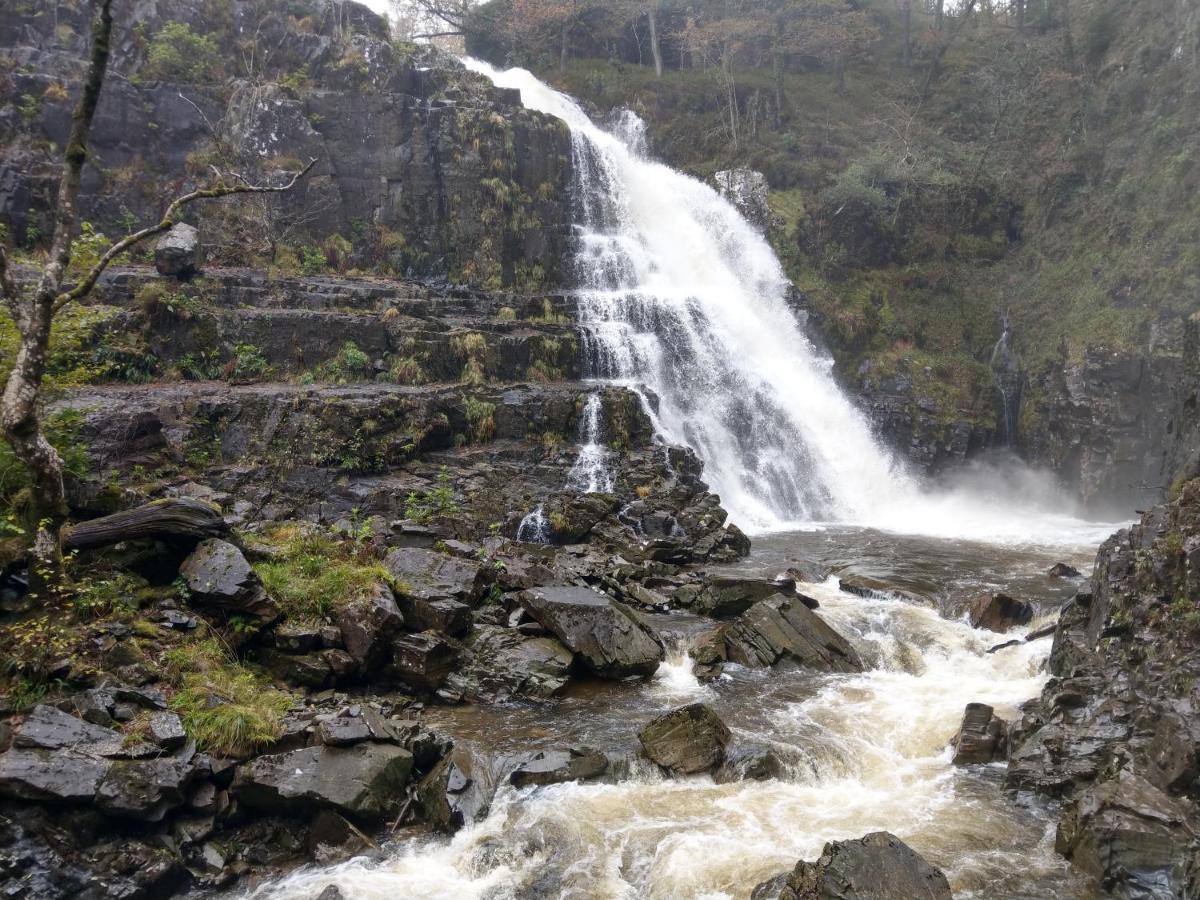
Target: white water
[
  {"x": 679, "y": 293},
  {"x": 591, "y": 472},
  {"x": 534, "y": 529},
  {"x": 863, "y": 752}
]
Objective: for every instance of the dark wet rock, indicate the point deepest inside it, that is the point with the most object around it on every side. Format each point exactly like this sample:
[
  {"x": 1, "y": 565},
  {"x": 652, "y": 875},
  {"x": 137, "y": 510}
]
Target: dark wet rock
[
  {"x": 785, "y": 628},
  {"x": 1043, "y": 632},
  {"x": 575, "y": 515},
  {"x": 608, "y": 637},
  {"x": 446, "y": 616},
  {"x": 48, "y": 728},
  {"x": 709, "y": 652},
  {"x": 217, "y": 575},
  {"x": 982, "y": 737},
  {"x": 310, "y": 670},
  {"x": 557, "y": 766},
  {"x": 146, "y": 789},
  {"x": 749, "y": 761},
  {"x": 686, "y": 740},
  {"x": 343, "y": 731},
  {"x": 1173, "y": 761},
  {"x": 502, "y": 663},
  {"x": 454, "y": 793},
  {"x": 297, "y": 638},
  {"x": 166, "y": 730},
  {"x": 331, "y": 837},
  {"x": 367, "y": 626},
  {"x": 364, "y": 781},
  {"x": 179, "y": 253},
  {"x": 1128, "y": 835},
  {"x": 996, "y": 648},
  {"x": 879, "y": 866},
  {"x": 64, "y": 775},
  {"x": 724, "y": 596},
  {"x": 1062, "y": 570},
  {"x": 999, "y": 612},
  {"x": 423, "y": 660},
  {"x": 429, "y": 576},
  {"x": 866, "y": 586},
  {"x": 331, "y": 892}
]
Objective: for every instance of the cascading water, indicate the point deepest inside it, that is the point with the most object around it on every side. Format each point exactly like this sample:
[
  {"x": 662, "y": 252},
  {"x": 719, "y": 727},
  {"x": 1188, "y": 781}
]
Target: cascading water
[
  {"x": 677, "y": 292},
  {"x": 591, "y": 473},
  {"x": 534, "y": 529}
]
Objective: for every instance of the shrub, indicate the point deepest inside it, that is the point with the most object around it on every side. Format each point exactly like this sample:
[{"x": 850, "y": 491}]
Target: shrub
[
  {"x": 248, "y": 362},
  {"x": 179, "y": 54},
  {"x": 440, "y": 501},
  {"x": 480, "y": 419}
]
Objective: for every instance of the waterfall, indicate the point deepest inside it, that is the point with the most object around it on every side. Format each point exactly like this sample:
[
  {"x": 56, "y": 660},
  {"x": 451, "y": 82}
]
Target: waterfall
[
  {"x": 678, "y": 294},
  {"x": 1006, "y": 372},
  {"x": 533, "y": 528},
  {"x": 591, "y": 473}
]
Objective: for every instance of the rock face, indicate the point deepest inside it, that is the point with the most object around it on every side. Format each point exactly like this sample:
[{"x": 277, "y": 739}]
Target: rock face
[
  {"x": 364, "y": 781},
  {"x": 502, "y": 664},
  {"x": 218, "y": 576},
  {"x": 606, "y": 636},
  {"x": 982, "y": 737},
  {"x": 784, "y": 627},
  {"x": 748, "y": 191},
  {"x": 687, "y": 740},
  {"x": 725, "y": 595},
  {"x": 1129, "y": 836},
  {"x": 179, "y": 253},
  {"x": 999, "y": 612},
  {"x": 879, "y": 866}
]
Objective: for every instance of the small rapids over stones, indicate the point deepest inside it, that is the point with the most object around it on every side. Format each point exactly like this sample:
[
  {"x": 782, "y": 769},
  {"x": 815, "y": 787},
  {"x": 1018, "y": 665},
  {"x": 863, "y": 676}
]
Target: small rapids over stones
[{"x": 854, "y": 753}]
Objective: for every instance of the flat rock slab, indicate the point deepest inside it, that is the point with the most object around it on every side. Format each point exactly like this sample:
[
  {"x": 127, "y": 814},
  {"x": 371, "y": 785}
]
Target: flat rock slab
[
  {"x": 608, "y": 637},
  {"x": 364, "y": 781},
  {"x": 65, "y": 776},
  {"x": 428, "y": 576},
  {"x": 49, "y": 728},
  {"x": 557, "y": 766}
]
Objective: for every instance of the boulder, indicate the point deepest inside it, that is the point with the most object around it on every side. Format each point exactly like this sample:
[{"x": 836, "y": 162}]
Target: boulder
[
  {"x": 982, "y": 737},
  {"x": 686, "y": 740},
  {"x": 179, "y": 253},
  {"x": 364, "y": 781},
  {"x": 367, "y": 626},
  {"x": 218, "y": 575},
  {"x": 423, "y": 660},
  {"x": 557, "y": 766},
  {"x": 608, "y": 637},
  {"x": 446, "y": 616},
  {"x": 166, "y": 730},
  {"x": 573, "y": 516},
  {"x": 1172, "y": 754},
  {"x": 343, "y": 731},
  {"x": 1129, "y": 836},
  {"x": 451, "y": 795},
  {"x": 502, "y": 663},
  {"x": 999, "y": 612},
  {"x": 1062, "y": 570},
  {"x": 331, "y": 838},
  {"x": 725, "y": 596},
  {"x": 48, "y": 728},
  {"x": 428, "y": 576},
  {"x": 63, "y": 776},
  {"x": 879, "y": 866},
  {"x": 749, "y": 761},
  {"x": 147, "y": 789},
  {"x": 784, "y": 627}
]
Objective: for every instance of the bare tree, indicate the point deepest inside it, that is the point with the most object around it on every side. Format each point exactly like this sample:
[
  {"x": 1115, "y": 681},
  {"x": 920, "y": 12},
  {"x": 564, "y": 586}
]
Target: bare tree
[{"x": 33, "y": 308}]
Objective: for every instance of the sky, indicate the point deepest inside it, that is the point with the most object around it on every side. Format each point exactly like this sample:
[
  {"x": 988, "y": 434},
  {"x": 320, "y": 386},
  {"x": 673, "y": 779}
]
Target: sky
[{"x": 380, "y": 6}]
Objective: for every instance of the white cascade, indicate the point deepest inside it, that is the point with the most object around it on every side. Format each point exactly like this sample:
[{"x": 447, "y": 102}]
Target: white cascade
[
  {"x": 591, "y": 473},
  {"x": 679, "y": 294}
]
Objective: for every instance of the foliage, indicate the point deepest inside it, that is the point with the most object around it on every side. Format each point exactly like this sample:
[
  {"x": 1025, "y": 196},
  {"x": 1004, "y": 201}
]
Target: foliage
[
  {"x": 350, "y": 364},
  {"x": 472, "y": 347},
  {"x": 480, "y": 419},
  {"x": 63, "y": 429},
  {"x": 226, "y": 707},
  {"x": 179, "y": 54},
  {"x": 437, "y": 502},
  {"x": 248, "y": 363}
]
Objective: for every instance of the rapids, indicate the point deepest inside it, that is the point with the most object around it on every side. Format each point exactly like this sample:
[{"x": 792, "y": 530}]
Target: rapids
[{"x": 861, "y": 752}]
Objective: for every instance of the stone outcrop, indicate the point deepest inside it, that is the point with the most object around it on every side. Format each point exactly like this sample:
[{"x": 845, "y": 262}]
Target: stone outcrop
[
  {"x": 999, "y": 612},
  {"x": 785, "y": 628},
  {"x": 218, "y": 576},
  {"x": 982, "y": 737},
  {"x": 878, "y": 866},
  {"x": 687, "y": 740}
]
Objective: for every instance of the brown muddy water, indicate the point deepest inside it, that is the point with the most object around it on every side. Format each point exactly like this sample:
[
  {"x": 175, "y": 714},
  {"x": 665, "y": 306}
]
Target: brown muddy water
[{"x": 863, "y": 752}]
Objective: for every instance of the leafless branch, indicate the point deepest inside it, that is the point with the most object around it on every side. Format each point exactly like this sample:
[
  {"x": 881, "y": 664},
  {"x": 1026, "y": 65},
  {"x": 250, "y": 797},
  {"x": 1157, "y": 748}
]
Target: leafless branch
[{"x": 219, "y": 189}]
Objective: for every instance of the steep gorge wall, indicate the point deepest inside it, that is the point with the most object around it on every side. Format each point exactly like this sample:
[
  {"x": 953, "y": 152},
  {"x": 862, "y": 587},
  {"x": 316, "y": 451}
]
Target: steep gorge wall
[{"x": 423, "y": 167}]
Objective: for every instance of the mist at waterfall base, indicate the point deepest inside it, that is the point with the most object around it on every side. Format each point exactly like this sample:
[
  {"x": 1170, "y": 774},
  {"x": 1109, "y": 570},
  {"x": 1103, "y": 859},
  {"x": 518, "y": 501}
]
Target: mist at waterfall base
[{"x": 679, "y": 294}]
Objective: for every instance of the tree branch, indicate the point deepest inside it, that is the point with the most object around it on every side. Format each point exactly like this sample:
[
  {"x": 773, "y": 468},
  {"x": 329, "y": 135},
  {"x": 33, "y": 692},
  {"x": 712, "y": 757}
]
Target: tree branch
[{"x": 218, "y": 189}]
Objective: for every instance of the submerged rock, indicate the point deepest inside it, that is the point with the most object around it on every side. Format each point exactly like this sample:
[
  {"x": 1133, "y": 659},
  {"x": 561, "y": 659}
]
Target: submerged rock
[
  {"x": 608, "y": 637},
  {"x": 879, "y": 866},
  {"x": 556, "y": 766},
  {"x": 687, "y": 740},
  {"x": 999, "y": 612},
  {"x": 1062, "y": 570}
]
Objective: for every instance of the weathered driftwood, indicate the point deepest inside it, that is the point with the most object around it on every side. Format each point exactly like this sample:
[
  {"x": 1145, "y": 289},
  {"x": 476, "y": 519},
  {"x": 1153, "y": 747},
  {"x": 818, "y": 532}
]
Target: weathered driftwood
[{"x": 181, "y": 518}]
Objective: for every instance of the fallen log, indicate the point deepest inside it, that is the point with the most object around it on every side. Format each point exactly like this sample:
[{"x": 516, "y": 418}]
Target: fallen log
[{"x": 174, "y": 519}]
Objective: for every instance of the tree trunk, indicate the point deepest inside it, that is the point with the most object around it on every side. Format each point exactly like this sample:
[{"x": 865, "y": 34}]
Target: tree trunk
[
  {"x": 1068, "y": 39},
  {"x": 655, "y": 49},
  {"x": 906, "y": 9},
  {"x": 839, "y": 73},
  {"x": 940, "y": 13},
  {"x": 1020, "y": 16},
  {"x": 180, "y": 519}
]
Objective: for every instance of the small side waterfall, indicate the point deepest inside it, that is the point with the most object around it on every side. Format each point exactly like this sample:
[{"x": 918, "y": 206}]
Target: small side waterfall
[
  {"x": 534, "y": 529},
  {"x": 1006, "y": 371},
  {"x": 591, "y": 473}
]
